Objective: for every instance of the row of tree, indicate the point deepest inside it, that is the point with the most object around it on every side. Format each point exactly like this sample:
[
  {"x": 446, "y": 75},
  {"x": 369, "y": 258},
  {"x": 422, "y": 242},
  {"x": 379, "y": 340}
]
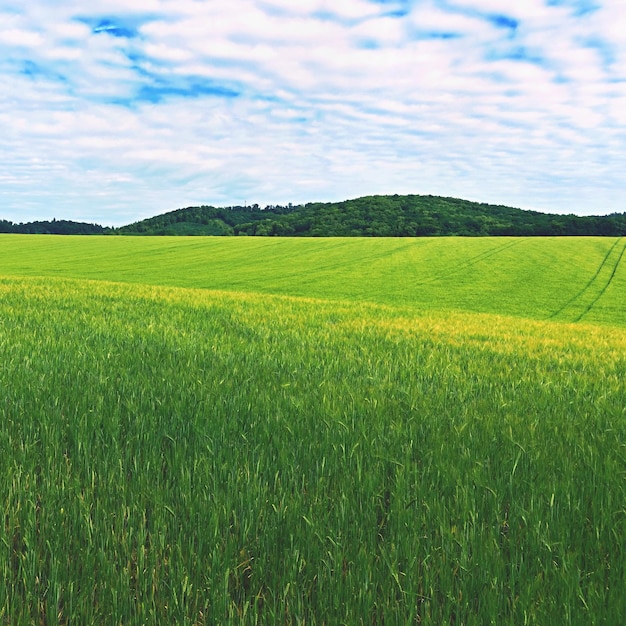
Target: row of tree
[
  {"x": 370, "y": 216},
  {"x": 54, "y": 227},
  {"x": 376, "y": 216}
]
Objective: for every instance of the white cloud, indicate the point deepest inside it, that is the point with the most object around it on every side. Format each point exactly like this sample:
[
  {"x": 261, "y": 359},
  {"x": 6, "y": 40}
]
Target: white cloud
[{"x": 113, "y": 111}]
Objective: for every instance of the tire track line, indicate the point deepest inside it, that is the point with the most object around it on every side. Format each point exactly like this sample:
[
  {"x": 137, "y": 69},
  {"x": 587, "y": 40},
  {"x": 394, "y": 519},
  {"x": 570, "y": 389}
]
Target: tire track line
[
  {"x": 472, "y": 261},
  {"x": 602, "y": 292},
  {"x": 582, "y": 292}
]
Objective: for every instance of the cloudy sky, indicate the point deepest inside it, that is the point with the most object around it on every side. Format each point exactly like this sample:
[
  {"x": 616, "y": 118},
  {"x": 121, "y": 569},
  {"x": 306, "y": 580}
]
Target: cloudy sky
[{"x": 112, "y": 111}]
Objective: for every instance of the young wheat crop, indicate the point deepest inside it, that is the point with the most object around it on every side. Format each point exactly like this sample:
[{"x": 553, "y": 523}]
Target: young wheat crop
[{"x": 190, "y": 456}]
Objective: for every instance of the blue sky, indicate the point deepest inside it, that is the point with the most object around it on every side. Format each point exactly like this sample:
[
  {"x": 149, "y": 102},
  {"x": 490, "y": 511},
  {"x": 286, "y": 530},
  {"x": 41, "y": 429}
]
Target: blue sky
[{"x": 115, "y": 111}]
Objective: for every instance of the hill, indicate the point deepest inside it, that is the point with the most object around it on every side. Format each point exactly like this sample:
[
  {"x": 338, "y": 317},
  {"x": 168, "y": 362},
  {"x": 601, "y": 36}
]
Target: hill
[
  {"x": 54, "y": 227},
  {"x": 376, "y": 216}
]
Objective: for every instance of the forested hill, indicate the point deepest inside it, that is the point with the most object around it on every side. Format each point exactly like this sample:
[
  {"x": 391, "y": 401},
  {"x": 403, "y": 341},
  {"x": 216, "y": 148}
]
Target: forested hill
[
  {"x": 54, "y": 227},
  {"x": 375, "y": 216},
  {"x": 370, "y": 216}
]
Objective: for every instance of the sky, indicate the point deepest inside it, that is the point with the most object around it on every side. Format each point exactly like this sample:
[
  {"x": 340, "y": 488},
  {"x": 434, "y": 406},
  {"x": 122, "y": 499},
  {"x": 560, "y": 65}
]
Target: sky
[{"x": 114, "y": 111}]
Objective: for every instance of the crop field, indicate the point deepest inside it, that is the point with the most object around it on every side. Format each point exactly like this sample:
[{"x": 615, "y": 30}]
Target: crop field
[
  {"x": 566, "y": 279},
  {"x": 250, "y": 431}
]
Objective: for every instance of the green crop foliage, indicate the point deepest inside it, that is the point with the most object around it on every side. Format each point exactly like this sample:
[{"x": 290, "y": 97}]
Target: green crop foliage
[
  {"x": 349, "y": 453},
  {"x": 540, "y": 278}
]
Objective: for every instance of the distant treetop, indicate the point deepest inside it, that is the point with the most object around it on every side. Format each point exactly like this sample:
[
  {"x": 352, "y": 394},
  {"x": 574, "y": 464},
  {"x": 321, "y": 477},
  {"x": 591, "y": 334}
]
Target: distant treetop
[
  {"x": 369, "y": 216},
  {"x": 375, "y": 216}
]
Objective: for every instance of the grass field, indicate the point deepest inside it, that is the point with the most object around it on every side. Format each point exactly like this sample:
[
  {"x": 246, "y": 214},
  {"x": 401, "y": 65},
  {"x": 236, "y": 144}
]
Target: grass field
[
  {"x": 536, "y": 278},
  {"x": 234, "y": 431}
]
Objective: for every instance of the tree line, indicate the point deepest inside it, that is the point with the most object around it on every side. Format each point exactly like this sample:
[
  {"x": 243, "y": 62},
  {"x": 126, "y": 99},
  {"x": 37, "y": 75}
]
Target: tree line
[
  {"x": 376, "y": 216},
  {"x": 369, "y": 216},
  {"x": 54, "y": 227}
]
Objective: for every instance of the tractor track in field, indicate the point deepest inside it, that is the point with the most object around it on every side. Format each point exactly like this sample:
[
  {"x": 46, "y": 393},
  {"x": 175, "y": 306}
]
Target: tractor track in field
[
  {"x": 592, "y": 281},
  {"x": 472, "y": 261},
  {"x": 608, "y": 283},
  {"x": 340, "y": 264}
]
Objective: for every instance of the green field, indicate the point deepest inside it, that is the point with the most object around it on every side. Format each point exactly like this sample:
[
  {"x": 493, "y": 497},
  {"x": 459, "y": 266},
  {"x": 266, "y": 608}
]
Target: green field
[
  {"x": 302, "y": 431},
  {"x": 538, "y": 278}
]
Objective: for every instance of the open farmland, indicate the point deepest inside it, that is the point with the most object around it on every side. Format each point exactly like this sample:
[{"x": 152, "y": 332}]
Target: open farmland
[
  {"x": 211, "y": 431},
  {"x": 536, "y": 278}
]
